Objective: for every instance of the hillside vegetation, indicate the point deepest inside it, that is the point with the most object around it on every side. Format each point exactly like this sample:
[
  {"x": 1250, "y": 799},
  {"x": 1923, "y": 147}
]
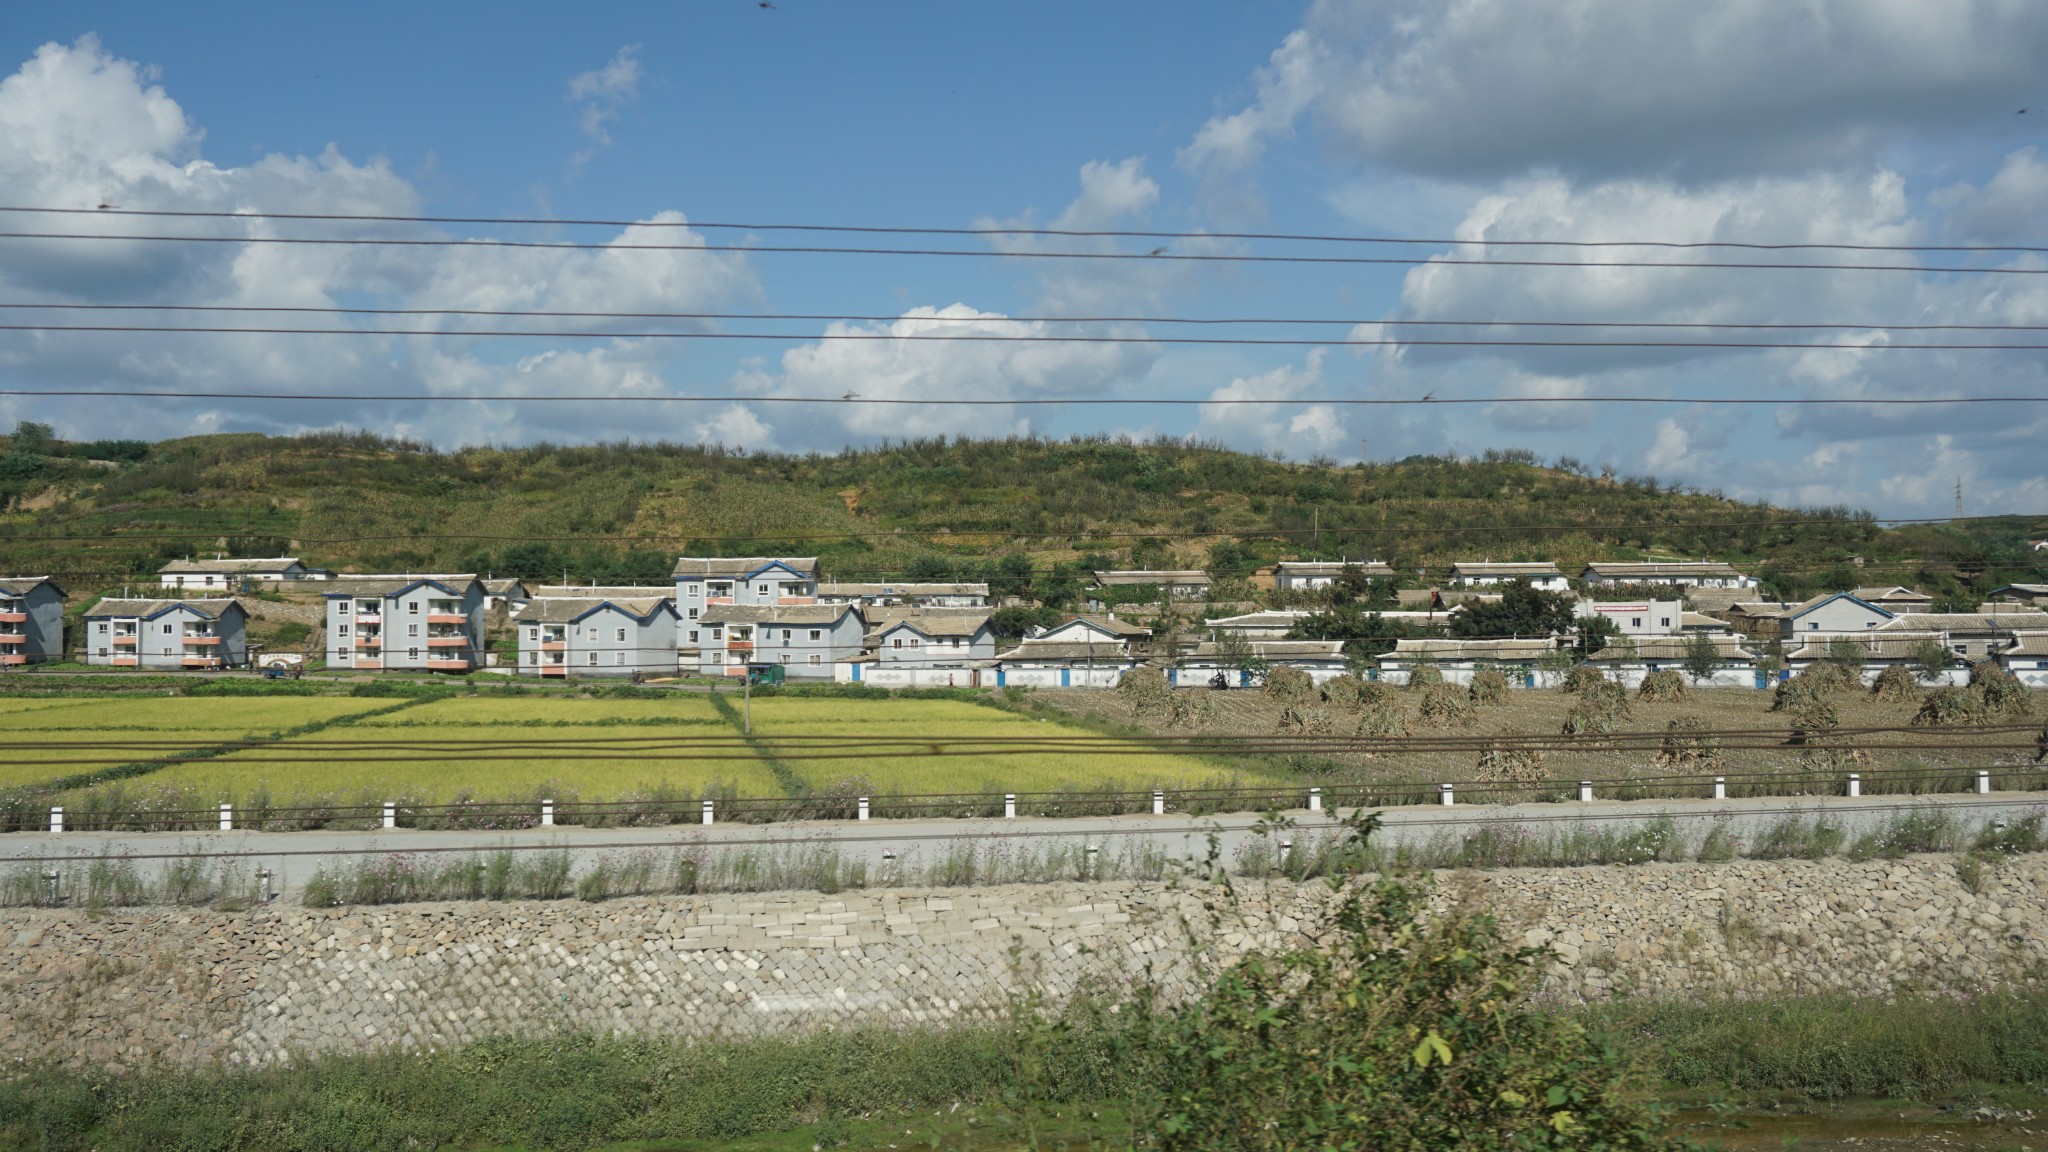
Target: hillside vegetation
[{"x": 102, "y": 512}]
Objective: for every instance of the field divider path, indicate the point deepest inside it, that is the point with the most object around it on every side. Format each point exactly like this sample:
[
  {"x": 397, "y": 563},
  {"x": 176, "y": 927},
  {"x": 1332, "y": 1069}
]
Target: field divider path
[
  {"x": 211, "y": 751},
  {"x": 792, "y": 781}
]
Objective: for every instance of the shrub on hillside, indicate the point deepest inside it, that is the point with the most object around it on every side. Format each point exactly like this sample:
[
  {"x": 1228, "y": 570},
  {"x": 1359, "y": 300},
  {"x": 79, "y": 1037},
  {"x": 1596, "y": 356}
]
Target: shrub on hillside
[
  {"x": 1895, "y": 685},
  {"x": 1489, "y": 686},
  {"x": 1662, "y": 685},
  {"x": 1191, "y": 708},
  {"x": 1290, "y": 685}
]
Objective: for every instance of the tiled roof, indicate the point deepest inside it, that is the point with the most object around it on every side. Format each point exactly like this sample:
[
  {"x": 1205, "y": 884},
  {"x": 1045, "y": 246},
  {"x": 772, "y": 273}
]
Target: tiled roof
[
  {"x": 268, "y": 564},
  {"x": 504, "y": 588},
  {"x": 1728, "y": 648},
  {"x": 1277, "y": 618},
  {"x": 964, "y": 623},
  {"x": 1893, "y": 593},
  {"x": 1152, "y": 576},
  {"x": 23, "y": 585},
  {"x": 605, "y": 591},
  {"x": 456, "y": 583},
  {"x": 1700, "y": 620},
  {"x": 1432, "y": 649},
  {"x": 568, "y": 610},
  {"x": 1517, "y": 568},
  {"x": 735, "y": 567},
  {"x": 1967, "y": 621},
  {"x": 1331, "y": 567},
  {"x": 1063, "y": 650},
  {"x": 1105, "y": 624},
  {"x": 927, "y": 589},
  {"x": 775, "y": 613},
  {"x": 1639, "y": 569},
  {"x": 1880, "y": 644},
  {"x": 211, "y": 609},
  {"x": 1278, "y": 649},
  {"x": 2030, "y": 644}
]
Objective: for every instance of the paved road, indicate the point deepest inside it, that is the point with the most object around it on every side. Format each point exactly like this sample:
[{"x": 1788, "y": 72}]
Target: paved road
[{"x": 910, "y": 846}]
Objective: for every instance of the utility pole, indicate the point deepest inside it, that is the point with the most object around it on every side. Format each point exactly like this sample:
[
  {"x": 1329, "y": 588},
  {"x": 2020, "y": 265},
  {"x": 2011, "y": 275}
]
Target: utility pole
[
  {"x": 1959, "y": 497},
  {"x": 747, "y": 700}
]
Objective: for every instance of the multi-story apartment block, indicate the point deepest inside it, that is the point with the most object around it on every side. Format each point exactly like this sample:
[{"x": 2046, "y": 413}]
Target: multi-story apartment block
[
  {"x": 31, "y": 621},
  {"x": 408, "y": 623},
  {"x": 167, "y": 635},
  {"x": 598, "y": 636},
  {"x": 227, "y": 575},
  {"x": 807, "y": 639},
  {"x": 704, "y": 581},
  {"x": 1637, "y": 617}
]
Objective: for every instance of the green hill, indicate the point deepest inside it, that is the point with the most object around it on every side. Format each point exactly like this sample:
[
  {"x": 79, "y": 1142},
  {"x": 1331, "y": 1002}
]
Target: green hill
[{"x": 97, "y": 513}]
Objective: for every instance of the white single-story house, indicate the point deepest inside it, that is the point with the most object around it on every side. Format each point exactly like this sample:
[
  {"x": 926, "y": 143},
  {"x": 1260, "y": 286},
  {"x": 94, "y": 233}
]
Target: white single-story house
[
  {"x": 1973, "y": 636},
  {"x": 2027, "y": 659},
  {"x": 1059, "y": 663},
  {"x": 1629, "y": 661},
  {"x": 1675, "y": 573},
  {"x": 1541, "y": 575},
  {"x": 1881, "y": 649},
  {"x": 1457, "y": 660},
  {"x": 1177, "y": 584},
  {"x": 923, "y": 595},
  {"x": 1321, "y": 659},
  {"x": 1273, "y": 624},
  {"x": 1303, "y": 575},
  {"x": 225, "y": 575}
]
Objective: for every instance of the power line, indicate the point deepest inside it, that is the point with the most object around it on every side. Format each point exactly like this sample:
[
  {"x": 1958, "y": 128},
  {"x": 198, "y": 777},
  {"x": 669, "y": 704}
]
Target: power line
[
  {"x": 1017, "y": 230},
  {"x": 1389, "y": 322},
  {"x": 1013, "y": 338},
  {"x": 974, "y": 402},
  {"x": 1157, "y": 256}
]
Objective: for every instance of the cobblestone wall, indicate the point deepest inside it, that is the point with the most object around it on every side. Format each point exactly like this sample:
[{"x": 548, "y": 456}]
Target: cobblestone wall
[{"x": 129, "y": 986}]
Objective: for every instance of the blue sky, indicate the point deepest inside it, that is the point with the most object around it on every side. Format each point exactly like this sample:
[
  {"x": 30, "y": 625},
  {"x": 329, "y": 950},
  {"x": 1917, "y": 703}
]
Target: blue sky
[{"x": 1866, "y": 121}]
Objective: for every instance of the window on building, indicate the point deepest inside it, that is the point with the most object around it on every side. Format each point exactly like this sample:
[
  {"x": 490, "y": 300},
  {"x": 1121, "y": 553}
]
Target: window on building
[
  {"x": 533, "y": 634},
  {"x": 785, "y": 657},
  {"x": 693, "y": 613},
  {"x": 103, "y": 651},
  {"x": 622, "y": 635},
  {"x": 913, "y": 641},
  {"x": 533, "y": 657},
  {"x": 341, "y": 629},
  {"x": 896, "y": 643},
  {"x": 762, "y": 589},
  {"x": 1813, "y": 626},
  {"x": 817, "y": 634},
  {"x": 693, "y": 590},
  {"x": 412, "y": 629},
  {"x": 594, "y": 634},
  {"x": 593, "y": 658},
  {"x": 167, "y": 632},
  {"x": 1664, "y": 623},
  {"x": 817, "y": 659},
  {"x": 341, "y": 607},
  {"x": 103, "y": 626},
  {"x": 693, "y": 635},
  {"x": 785, "y": 633},
  {"x": 619, "y": 658},
  {"x": 1635, "y": 621},
  {"x": 718, "y": 633}
]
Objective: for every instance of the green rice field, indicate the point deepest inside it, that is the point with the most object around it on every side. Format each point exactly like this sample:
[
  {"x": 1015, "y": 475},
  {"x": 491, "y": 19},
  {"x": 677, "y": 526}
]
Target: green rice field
[{"x": 491, "y": 747}]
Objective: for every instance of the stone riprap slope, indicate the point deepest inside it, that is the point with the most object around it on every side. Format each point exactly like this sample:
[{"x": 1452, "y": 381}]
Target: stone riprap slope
[{"x": 130, "y": 986}]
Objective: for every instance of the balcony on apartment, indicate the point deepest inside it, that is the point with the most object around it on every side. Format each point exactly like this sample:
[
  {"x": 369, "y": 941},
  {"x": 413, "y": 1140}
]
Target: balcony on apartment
[
  {"x": 742, "y": 642},
  {"x": 369, "y": 612},
  {"x": 11, "y": 654},
  {"x": 554, "y": 640},
  {"x": 12, "y": 612},
  {"x": 446, "y": 612},
  {"x": 718, "y": 592},
  {"x": 554, "y": 665},
  {"x": 374, "y": 638},
  {"x": 199, "y": 636}
]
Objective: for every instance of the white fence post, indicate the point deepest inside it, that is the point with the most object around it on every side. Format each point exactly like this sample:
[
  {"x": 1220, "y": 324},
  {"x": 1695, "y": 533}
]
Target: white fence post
[
  {"x": 708, "y": 815},
  {"x": 1720, "y": 787},
  {"x": 547, "y": 813},
  {"x": 390, "y": 814},
  {"x": 1855, "y": 784},
  {"x": 1585, "y": 791},
  {"x": 1983, "y": 781},
  {"x": 1448, "y": 798},
  {"x": 1315, "y": 799},
  {"x": 863, "y": 809},
  {"x": 56, "y": 820},
  {"x": 227, "y": 817},
  {"x": 1159, "y": 803},
  {"x": 1009, "y": 805}
]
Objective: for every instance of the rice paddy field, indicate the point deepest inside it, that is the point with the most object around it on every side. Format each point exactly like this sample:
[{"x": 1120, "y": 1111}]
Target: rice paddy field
[
  {"x": 802, "y": 732},
  {"x": 489, "y": 747}
]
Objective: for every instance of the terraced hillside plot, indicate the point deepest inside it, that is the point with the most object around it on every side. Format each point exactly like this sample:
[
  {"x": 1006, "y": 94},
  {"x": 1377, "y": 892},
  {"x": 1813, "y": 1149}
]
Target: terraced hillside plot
[
  {"x": 792, "y": 728},
  {"x": 440, "y": 763}
]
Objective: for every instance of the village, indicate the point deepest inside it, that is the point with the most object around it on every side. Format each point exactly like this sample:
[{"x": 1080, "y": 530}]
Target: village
[{"x": 781, "y": 619}]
